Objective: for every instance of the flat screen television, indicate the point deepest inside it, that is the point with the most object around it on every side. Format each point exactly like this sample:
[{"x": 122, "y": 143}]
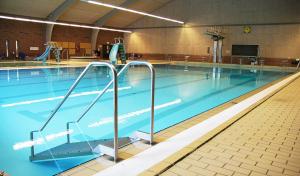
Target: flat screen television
[{"x": 245, "y": 50}]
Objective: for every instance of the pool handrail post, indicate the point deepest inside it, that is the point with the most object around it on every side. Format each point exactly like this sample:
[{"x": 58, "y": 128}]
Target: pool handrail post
[
  {"x": 152, "y": 98},
  {"x": 113, "y": 69},
  {"x": 116, "y": 137},
  {"x": 152, "y": 103},
  {"x": 151, "y": 68},
  {"x": 32, "y": 146},
  {"x": 114, "y": 80}
]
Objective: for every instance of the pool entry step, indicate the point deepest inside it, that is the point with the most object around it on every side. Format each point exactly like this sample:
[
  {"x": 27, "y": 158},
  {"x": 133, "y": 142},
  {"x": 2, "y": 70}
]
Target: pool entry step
[{"x": 75, "y": 149}]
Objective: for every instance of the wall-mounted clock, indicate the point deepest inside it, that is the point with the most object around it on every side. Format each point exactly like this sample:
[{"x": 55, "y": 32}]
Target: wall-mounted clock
[{"x": 247, "y": 29}]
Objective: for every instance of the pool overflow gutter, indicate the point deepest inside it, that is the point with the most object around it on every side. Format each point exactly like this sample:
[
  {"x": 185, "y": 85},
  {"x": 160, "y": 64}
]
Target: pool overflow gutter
[{"x": 108, "y": 147}]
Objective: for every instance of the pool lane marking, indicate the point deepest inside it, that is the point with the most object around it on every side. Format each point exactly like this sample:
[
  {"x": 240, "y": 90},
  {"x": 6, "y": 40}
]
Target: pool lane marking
[
  {"x": 60, "y": 97},
  {"x": 41, "y": 140},
  {"x": 122, "y": 118},
  {"x": 92, "y": 92},
  {"x": 156, "y": 154}
]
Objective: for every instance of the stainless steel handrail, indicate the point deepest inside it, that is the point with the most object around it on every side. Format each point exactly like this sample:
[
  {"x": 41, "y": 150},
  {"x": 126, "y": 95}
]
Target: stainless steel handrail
[
  {"x": 152, "y": 71},
  {"x": 113, "y": 70}
]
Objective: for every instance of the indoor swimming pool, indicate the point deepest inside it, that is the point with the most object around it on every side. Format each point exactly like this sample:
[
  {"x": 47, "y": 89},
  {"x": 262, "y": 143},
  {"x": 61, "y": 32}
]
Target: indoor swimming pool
[{"x": 29, "y": 95}]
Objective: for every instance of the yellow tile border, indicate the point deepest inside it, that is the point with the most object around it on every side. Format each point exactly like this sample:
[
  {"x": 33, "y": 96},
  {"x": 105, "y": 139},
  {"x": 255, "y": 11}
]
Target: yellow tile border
[
  {"x": 54, "y": 64},
  {"x": 81, "y": 63},
  {"x": 236, "y": 66}
]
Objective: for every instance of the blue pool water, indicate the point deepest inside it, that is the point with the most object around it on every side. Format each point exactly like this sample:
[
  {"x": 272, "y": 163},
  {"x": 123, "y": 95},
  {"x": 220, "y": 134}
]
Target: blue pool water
[{"x": 28, "y": 96}]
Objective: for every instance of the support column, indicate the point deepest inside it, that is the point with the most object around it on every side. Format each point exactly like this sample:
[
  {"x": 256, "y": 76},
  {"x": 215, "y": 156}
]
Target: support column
[
  {"x": 215, "y": 51},
  {"x": 94, "y": 39},
  {"x": 55, "y": 14},
  {"x": 49, "y": 29},
  {"x": 220, "y": 45},
  {"x": 6, "y": 48}
]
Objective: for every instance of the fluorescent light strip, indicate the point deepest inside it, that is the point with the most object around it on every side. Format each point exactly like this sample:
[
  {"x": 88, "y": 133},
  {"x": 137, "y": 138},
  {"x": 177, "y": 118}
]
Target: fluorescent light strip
[
  {"x": 132, "y": 11},
  {"x": 62, "y": 24}
]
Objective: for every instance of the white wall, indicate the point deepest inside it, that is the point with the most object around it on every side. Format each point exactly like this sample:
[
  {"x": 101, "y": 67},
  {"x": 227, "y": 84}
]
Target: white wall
[{"x": 276, "y": 41}]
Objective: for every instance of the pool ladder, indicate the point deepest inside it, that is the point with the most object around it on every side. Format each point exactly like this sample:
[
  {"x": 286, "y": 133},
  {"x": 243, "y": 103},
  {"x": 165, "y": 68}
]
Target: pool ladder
[{"x": 105, "y": 149}]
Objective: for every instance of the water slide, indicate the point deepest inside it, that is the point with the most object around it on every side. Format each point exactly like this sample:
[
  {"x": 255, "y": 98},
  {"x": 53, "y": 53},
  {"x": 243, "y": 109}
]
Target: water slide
[
  {"x": 44, "y": 56},
  {"x": 118, "y": 47},
  {"x": 113, "y": 53}
]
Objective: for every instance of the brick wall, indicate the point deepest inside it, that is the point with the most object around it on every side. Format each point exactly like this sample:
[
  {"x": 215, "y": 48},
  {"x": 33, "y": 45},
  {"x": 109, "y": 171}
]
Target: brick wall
[
  {"x": 28, "y": 34},
  {"x": 33, "y": 34},
  {"x": 71, "y": 34},
  {"x": 107, "y": 36}
]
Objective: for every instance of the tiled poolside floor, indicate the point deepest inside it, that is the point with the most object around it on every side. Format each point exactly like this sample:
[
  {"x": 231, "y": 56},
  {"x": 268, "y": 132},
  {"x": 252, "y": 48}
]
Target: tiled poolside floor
[{"x": 266, "y": 141}]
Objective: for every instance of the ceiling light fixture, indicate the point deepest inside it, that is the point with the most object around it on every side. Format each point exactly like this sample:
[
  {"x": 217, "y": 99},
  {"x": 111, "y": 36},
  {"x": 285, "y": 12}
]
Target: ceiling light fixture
[
  {"x": 132, "y": 11},
  {"x": 62, "y": 24}
]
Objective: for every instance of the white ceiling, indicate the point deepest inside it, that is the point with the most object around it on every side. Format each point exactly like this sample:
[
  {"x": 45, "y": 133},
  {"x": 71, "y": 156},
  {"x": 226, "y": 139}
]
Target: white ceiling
[
  {"x": 122, "y": 18},
  {"x": 83, "y": 12},
  {"x": 80, "y": 12},
  {"x": 33, "y": 8}
]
